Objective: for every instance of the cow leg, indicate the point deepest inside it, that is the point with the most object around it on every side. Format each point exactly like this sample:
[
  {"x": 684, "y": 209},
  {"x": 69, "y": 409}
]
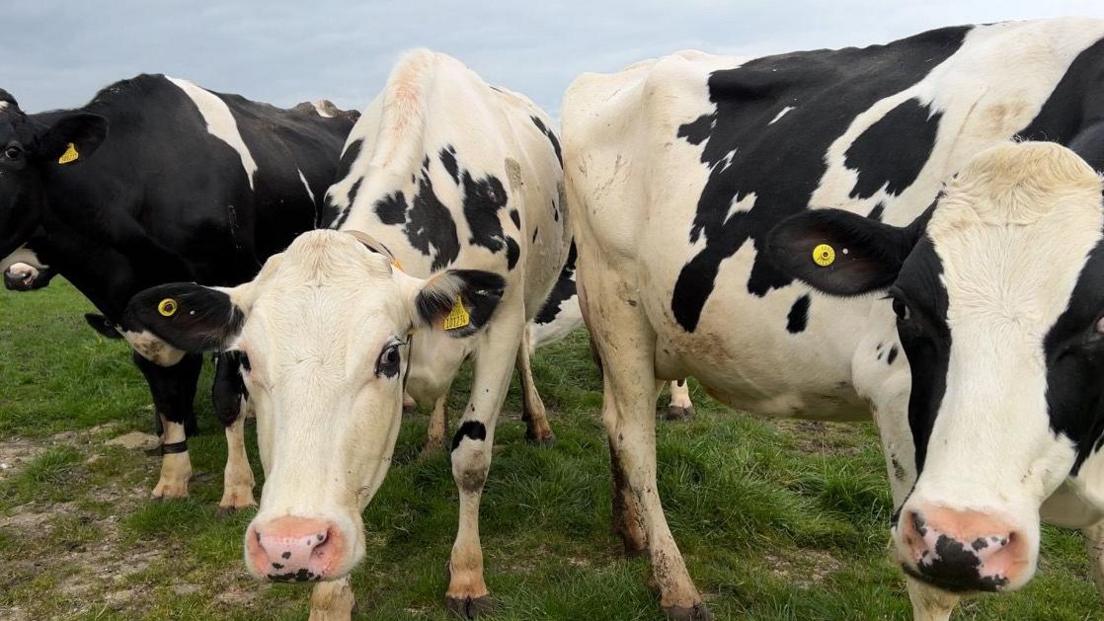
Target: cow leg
[
  {"x": 173, "y": 390},
  {"x": 1094, "y": 543},
  {"x": 438, "y": 426},
  {"x": 237, "y": 478},
  {"x": 626, "y": 346},
  {"x": 537, "y": 430},
  {"x": 930, "y": 603},
  {"x": 467, "y": 593},
  {"x": 231, "y": 406},
  {"x": 681, "y": 407},
  {"x": 332, "y": 601}
]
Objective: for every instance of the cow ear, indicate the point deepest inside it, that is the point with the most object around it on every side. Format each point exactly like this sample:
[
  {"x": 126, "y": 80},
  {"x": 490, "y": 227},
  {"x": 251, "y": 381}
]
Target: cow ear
[
  {"x": 187, "y": 316},
  {"x": 72, "y": 139},
  {"x": 842, "y": 253},
  {"x": 459, "y": 302}
]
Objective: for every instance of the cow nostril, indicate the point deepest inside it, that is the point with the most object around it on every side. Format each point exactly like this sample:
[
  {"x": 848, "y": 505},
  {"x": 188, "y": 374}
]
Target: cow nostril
[{"x": 319, "y": 543}]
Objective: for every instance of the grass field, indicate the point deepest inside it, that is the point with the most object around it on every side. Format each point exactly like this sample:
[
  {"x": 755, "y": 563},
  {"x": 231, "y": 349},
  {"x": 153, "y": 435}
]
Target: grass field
[{"x": 777, "y": 520}]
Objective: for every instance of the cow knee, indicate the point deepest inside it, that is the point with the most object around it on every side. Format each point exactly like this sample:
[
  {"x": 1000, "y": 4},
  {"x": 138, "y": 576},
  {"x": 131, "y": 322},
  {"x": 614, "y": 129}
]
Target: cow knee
[{"x": 470, "y": 456}]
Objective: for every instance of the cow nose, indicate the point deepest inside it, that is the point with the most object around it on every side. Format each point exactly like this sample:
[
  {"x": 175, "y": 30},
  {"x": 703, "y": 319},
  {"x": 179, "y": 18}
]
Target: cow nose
[
  {"x": 293, "y": 548},
  {"x": 16, "y": 279},
  {"x": 962, "y": 550}
]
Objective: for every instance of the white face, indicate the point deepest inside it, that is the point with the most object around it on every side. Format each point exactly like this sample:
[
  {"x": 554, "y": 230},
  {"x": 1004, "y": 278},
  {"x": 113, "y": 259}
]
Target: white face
[
  {"x": 1012, "y": 237},
  {"x": 326, "y": 329},
  {"x": 327, "y": 333}
]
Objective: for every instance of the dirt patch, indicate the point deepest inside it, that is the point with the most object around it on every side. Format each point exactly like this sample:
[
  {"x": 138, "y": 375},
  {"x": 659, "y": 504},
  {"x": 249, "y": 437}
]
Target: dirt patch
[
  {"x": 814, "y": 436},
  {"x": 17, "y": 452},
  {"x": 136, "y": 441},
  {"x": 805, "y": 572}
]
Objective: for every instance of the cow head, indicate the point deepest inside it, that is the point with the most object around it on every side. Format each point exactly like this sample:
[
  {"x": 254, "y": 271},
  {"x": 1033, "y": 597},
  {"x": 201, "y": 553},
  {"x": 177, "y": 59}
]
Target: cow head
[
  {"x": 998, "y": 291},
  {"x": 325, "y": 329},
  {"x": 30, "y": 153}
]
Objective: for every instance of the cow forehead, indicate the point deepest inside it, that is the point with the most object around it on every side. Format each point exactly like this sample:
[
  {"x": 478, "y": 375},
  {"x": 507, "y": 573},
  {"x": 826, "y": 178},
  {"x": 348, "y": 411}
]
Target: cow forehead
[
  {"x": 328, "y": 257},
  {"x": 329, "y": 280},
  {"x": 14, "y": 128},
  {"x": 1014, "y": 230}
]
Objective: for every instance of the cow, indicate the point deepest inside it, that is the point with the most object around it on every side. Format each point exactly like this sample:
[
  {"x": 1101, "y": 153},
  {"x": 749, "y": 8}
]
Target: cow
[
  {"x": 158, "y": 180},
  {"x": 678, "y": 169},
  {"x": 447, "y": 234},
  {"x": 560, "y": 315}
]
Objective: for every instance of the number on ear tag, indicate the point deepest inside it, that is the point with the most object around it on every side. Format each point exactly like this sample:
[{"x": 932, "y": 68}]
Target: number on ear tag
[
  {"x": 458, "y": 317},
  {"x": 70, "y": 155}
]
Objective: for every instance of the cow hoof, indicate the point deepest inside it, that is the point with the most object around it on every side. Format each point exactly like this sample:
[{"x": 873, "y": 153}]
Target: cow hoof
[
  {"x": 226, "y": 510},
  {"x": 168, "y": 491},
  {"x": 236, "y": 497},
  {"x": 675, "y": 412},
  {"x": 468, "y": 607},
  {"x": 697, "y": 612},
  {"x": 546, "y": 440}
]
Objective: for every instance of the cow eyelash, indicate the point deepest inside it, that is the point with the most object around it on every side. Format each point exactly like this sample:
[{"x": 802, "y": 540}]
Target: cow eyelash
[{"x": 387, "y": 365}]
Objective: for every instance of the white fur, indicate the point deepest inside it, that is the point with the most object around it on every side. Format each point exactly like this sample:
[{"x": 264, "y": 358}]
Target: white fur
[
  {"x": 781, "y": 113},
  {"x": 322, "y": 108},
  {"x": 220, "y": 122},
  {"x": 306, "y": 185}
]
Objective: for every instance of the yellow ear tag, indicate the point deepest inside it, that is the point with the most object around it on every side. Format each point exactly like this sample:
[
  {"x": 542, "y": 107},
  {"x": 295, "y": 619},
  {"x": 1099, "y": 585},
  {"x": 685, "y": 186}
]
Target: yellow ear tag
[
  {"x": 70, "y": 155},
  {"x": 824, "y": 255},
  {"x": 458, "y": 317},
  {"x": 167, "y": 307}
]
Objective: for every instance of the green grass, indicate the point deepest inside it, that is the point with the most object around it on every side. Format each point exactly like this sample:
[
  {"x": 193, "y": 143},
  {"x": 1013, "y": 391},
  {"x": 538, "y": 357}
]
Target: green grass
[{"x": 770, "y": 527}]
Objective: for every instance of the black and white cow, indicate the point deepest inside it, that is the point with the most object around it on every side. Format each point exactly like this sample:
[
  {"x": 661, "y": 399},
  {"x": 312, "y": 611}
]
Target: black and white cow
[
  {"x": 451, "y": 236},
  {"x": 985, "y": 386},
  {"x": 159, "y": 180},
  {"x": 560, "y": 315}
]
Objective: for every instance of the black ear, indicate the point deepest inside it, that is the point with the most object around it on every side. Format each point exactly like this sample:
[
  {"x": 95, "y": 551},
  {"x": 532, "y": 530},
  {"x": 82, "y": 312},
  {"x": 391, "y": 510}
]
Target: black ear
[
  {"x": 102, "y": 325},
  {"x": 460, "y": 302},
  {"x": 842, "y": 253},
  {"x": 72, "y": 139},
  {"x": 187, "y": 316}
]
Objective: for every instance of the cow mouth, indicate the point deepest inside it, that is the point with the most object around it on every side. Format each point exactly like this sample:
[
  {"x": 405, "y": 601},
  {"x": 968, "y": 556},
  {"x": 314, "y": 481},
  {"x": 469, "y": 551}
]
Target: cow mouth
[{"x": 958, "y": 584}]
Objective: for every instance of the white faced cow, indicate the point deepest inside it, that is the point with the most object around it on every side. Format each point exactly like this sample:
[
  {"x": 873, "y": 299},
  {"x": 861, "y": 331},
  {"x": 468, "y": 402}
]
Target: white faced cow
[
  {"x": 678, "y": 169},
  {"x": 452, "y": 235}
]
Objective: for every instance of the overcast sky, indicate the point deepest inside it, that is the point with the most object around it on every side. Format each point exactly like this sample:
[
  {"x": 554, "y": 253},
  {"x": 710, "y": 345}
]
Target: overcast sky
[{"x": 58, "y": 53}]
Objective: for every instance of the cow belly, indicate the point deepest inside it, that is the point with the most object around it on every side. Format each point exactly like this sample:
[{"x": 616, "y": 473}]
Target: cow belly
[
  {"x": 764, "y": 385},
  {"x": 747, "y": 351}
]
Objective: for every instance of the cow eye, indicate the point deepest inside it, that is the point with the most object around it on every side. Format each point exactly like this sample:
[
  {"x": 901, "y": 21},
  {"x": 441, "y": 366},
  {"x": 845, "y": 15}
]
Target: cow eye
[
  {"x": 13, "y": 152},
  {"x": 245, "y": 363},
  {"x": 901, "y": 309},
  {"x": 388, "y": 363}
]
